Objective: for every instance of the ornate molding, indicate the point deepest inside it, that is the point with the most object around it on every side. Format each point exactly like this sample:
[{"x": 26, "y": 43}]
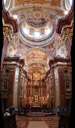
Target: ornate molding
[
  {"x": 9, "y": 20},
  {"x": 65, "y": 21},
  {"x": 7, "y": 32},
  {"x": 59, "y": 59},
  {"x": 67, "y": 32},
  {"x": 13, "y": 61}
]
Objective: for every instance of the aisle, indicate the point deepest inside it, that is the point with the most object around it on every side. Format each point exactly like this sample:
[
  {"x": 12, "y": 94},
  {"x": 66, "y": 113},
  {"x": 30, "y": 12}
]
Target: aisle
[{"x": 37, "y": 122}]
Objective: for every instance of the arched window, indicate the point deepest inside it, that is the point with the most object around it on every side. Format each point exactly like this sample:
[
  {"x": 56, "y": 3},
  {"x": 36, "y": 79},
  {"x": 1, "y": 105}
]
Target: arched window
[
  {"x": 68, "y": 4},
  {"x": 5, "y": 2}
]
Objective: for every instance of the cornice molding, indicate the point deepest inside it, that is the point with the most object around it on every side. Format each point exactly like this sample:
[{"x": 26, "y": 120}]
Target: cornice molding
[
  {"x": 9, "y": 20},
  {"x": 65, "y": 21},
  {"x": 59, "y": 59},
  {"x": 14, "y": 59}
]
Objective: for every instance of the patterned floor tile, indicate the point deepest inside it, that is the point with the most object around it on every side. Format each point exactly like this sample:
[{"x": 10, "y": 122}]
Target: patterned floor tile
[{"x": 24, "y": 122}]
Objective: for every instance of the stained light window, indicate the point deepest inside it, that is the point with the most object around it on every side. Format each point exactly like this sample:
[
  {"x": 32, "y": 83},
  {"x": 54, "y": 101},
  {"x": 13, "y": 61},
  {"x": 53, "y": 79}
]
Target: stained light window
[
  {"x": 5, "y": 2},
  {"x": 15, "y": 16},
  {"x": 47, "y": 31},
  {"x": 68, "y": 4},
  {"x": 26, "y": 30},
  {"x": 37, "y": 34}
]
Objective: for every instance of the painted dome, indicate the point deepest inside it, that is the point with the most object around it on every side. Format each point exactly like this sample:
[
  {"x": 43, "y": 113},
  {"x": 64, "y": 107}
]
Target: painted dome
[{"x": 36, "y": 29}]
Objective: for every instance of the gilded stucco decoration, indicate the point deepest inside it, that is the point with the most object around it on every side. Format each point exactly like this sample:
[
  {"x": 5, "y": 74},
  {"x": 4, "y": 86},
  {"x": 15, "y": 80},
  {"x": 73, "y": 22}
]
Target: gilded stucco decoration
[
  {"x": 67, "y": 32},
  {"x": 7, "y": 32},
  {"x": 67, "y": 36},
  {"x": 16, "y": 48},
  {"x": 60, "y": 47},
  {"x": 13, "y": 46}
]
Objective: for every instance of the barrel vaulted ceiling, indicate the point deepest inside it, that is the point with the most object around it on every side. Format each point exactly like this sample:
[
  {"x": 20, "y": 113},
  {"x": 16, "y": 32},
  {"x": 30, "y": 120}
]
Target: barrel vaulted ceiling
[{"x": 36, "y": 40}]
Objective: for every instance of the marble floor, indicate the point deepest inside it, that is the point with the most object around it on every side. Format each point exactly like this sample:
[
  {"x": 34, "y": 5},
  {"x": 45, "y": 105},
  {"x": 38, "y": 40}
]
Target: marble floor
[{"x": 37, "y": 122}]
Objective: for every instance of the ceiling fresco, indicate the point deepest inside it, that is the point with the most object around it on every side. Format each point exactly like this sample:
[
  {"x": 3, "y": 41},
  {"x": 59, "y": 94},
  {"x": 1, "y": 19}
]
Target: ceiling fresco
[
  {"x": 59, "y": 3},
  {"x": 36, "y": 28},
  {"x": 36, "y": 40},
  {"x": 37, "y": 60},
  {"x": 37, "y": 20},
  {"x": 36, "y": 34}
]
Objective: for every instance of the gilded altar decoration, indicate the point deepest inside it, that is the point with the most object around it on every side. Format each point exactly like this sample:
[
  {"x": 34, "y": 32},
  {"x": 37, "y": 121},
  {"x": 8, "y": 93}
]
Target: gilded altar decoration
[
  {"x": 67, "y": 33},
  {"x": 36, "y": 93}
]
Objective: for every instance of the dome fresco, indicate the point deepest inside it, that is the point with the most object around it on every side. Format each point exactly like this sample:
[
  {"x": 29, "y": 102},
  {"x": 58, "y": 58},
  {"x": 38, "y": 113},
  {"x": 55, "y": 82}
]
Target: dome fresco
[
  {"x": 36, "y": 29},
  {"x": 37, "y": 33}
]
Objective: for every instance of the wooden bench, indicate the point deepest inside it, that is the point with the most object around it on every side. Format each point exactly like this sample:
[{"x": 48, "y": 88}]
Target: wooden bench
[
  {"x": 10, "y": 121},
  {"x": 64, "y": 120}
]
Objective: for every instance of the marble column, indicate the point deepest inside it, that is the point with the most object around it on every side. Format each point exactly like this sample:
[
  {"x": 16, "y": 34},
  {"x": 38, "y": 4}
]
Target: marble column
[
  {"x": 57, "y": 98},
  {"x": 15, "y": 92}
]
